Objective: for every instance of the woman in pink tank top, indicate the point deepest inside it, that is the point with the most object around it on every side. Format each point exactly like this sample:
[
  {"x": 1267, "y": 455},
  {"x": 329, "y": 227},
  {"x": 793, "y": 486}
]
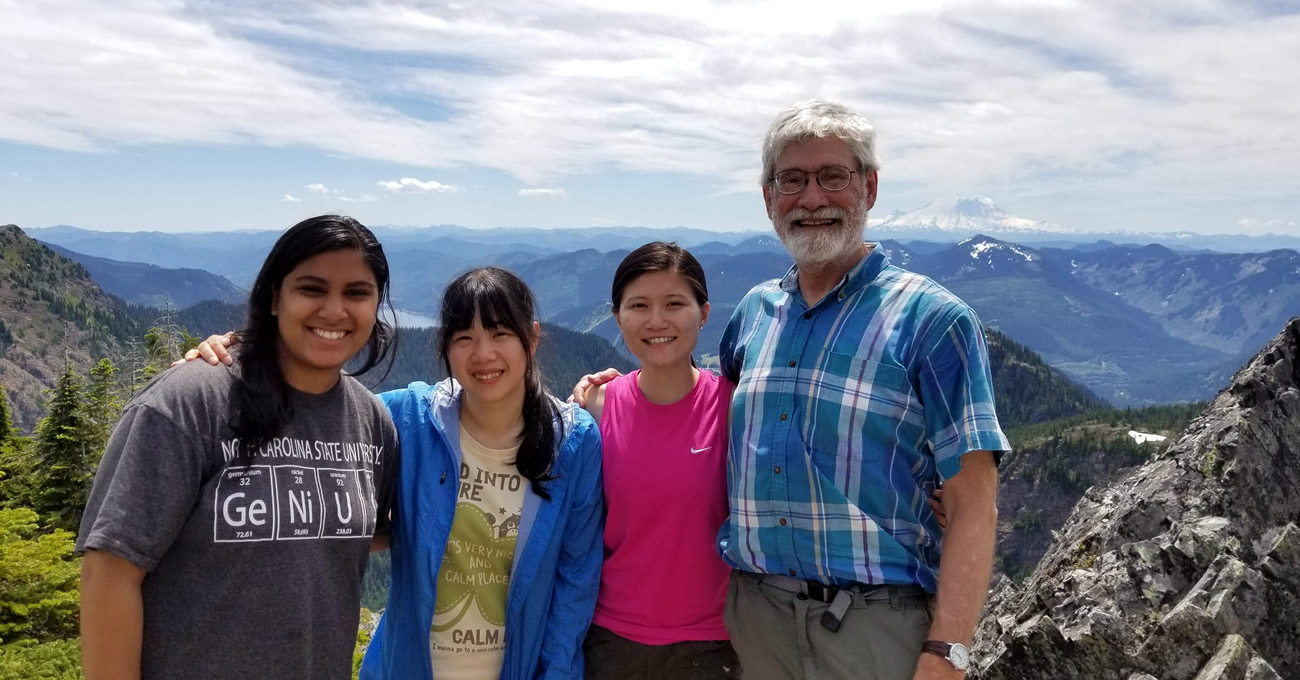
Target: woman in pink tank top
[{"x": 664, "y": 434}]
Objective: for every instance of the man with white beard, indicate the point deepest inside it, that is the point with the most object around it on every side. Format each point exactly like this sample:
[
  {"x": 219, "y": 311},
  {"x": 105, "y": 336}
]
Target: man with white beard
[{"x": 860, "y": 388}]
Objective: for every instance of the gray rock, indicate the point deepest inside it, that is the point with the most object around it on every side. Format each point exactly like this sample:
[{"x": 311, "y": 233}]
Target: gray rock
[
  {"x": 1258, "y": 669},
  {"x": 1186, "y": 568},
  {"x": 1229, "y": 663}
]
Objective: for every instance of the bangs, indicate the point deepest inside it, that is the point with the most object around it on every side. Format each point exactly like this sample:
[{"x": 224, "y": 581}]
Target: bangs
[{"x": 491, "y": 302}]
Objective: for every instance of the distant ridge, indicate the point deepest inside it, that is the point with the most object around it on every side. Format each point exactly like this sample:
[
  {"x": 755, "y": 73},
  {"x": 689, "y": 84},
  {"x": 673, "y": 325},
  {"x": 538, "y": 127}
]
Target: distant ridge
[{"x": 147, "y": 284}]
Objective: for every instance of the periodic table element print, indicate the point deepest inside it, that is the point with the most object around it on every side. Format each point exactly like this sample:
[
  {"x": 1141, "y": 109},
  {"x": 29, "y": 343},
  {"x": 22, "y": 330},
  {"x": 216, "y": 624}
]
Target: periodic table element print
[
  {"x": 298, "y": 503},
  {"x": 244, "y": 508},
  {"x": 348, "y": 504}
]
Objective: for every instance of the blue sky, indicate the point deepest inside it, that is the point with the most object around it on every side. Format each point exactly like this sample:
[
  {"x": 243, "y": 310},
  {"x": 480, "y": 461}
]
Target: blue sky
[{"x": 186, "y": 116}]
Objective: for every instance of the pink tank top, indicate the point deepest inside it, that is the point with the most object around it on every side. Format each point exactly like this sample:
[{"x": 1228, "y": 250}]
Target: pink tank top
[{"x": 665, "y": 476}]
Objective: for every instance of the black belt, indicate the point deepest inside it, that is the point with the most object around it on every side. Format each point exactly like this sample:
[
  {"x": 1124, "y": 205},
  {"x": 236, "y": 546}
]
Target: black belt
[{"x": 839, "y": 599}]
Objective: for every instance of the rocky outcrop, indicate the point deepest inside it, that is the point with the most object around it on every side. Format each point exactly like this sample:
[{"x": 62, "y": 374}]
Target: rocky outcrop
[{"x": 1186, "y": 569}]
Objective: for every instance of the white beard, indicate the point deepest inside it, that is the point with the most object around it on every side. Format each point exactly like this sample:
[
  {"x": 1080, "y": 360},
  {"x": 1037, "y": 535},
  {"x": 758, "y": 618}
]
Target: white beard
[{"x": 816, "y": 248}]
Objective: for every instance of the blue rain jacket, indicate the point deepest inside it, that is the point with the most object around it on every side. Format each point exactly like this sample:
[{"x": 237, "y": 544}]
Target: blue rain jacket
[{"x": 556, "y": 571}]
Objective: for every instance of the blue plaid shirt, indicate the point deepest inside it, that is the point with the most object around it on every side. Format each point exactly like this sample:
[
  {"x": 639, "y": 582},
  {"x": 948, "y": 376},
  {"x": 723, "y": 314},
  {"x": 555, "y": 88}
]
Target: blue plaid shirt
[{"x": 846, "y": 415}]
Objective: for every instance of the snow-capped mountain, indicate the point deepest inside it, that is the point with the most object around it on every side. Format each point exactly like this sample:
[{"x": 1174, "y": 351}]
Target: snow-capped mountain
[{"x": 966, "y": 216}]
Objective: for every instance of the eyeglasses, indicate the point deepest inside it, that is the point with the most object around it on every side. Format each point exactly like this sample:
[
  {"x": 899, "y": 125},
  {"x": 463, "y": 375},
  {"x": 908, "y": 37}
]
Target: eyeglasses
[{"x": 830, "y": 178}]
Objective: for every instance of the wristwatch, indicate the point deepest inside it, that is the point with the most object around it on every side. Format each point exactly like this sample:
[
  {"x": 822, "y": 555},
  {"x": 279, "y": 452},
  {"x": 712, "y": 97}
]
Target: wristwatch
[{"x": 954, "y": 652}]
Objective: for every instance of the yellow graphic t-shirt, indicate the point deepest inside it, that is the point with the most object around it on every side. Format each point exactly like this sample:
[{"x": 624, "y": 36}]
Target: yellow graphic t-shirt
[{"x": 469, "y": 615}]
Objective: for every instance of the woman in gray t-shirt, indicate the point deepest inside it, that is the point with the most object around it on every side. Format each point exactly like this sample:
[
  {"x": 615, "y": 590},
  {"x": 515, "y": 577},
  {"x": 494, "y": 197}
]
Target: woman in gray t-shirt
[{"x": 230, "y": 521}]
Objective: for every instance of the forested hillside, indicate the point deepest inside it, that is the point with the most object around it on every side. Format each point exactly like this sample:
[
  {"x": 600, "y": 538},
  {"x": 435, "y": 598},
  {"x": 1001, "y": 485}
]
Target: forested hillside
[
  {"x": 51, "y": 313},
  {"x": 1030, "y": 391},
  {"x": 1053, "y": 463}
]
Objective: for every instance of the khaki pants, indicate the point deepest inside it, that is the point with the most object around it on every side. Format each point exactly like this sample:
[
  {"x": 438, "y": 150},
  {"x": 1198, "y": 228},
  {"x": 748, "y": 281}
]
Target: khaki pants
[{"x": 778, "y": 635}]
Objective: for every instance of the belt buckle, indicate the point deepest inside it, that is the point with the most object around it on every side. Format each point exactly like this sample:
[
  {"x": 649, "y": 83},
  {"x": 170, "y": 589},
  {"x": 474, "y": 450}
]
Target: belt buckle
[{"x": 821, "y": 593}]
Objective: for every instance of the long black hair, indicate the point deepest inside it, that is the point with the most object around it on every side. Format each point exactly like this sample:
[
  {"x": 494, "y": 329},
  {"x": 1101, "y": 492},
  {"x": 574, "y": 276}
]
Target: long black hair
[
  {"x": 500, "y": 299},
  {"x": 260, "y": 403}
]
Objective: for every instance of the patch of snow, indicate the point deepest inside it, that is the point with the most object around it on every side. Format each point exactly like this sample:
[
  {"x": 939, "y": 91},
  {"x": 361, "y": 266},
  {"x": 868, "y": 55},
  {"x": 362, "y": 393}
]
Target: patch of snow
[{"x": 1144, "y": 437}]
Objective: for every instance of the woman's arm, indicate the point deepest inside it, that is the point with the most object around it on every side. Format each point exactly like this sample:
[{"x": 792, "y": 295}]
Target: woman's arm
[
  {"x": 595, "y": 401},
  {"x": 577, "y": 578},
  {"x": 112, "y": 617}
]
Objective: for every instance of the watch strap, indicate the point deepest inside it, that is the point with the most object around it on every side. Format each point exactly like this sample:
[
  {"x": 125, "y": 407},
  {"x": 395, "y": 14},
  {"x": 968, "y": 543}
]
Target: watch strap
[{"x": 938, "y": 648}]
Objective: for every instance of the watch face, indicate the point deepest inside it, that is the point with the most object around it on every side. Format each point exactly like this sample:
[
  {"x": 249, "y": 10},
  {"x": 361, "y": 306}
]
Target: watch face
[{"x": 959, "y": 656}]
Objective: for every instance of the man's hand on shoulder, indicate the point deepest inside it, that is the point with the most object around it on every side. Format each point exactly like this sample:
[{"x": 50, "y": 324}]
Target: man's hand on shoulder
[{"x": 589, "y": 381}]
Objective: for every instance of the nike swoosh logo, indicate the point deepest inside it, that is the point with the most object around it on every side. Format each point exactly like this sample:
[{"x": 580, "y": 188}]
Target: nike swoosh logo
[{"x": 695, "y": 450}]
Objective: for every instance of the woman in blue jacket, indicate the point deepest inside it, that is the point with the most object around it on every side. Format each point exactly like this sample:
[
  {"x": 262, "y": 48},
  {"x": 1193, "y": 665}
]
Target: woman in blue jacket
[{"x": 497, "y": 522}]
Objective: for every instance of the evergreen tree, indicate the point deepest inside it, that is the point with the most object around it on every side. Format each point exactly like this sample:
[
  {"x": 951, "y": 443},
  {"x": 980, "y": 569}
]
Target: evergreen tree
[
  {"x": 65, "y": 463},
  {"x": 103, "y": 406},
  {"x": 164, "y": 342},
  {"x": 39, "y": 580},
  {"x": 6, "y": 423},
  {"x": 17, "y": 473}
]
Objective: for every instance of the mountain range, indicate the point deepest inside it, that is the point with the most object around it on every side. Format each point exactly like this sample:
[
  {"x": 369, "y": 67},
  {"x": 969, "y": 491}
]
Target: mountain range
[
  {"x": 1135, "y": 323},
  {"x": 1150, "y": 327}
]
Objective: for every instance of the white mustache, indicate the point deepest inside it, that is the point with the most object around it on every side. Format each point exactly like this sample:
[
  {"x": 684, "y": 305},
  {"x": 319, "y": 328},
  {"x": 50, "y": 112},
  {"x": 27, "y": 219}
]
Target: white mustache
[{"x": 826, "y": 213}]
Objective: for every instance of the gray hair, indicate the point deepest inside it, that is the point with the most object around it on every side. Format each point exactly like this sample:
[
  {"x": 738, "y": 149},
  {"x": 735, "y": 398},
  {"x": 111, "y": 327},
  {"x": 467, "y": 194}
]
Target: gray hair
[{"x": 818, "y": 118}]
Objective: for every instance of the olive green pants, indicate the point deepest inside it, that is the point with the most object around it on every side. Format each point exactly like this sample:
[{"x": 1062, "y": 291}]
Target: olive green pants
[{"x": 778, "y": 635}]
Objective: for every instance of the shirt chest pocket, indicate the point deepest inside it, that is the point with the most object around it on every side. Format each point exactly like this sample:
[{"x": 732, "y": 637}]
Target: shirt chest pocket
[{"x": 858, "y": 407}]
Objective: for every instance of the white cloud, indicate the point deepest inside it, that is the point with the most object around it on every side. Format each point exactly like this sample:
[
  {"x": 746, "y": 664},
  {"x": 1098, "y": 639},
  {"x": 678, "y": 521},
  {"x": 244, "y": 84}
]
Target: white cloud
[
  {"x": 317, "y": 188},
  {"x": 412, "y": 185},
  {"x": 545, "y": 193},
  {"x": 345, "y": 199},
  {"x": 290, "y": 199},
  {"x": 1098, "y": 103}
]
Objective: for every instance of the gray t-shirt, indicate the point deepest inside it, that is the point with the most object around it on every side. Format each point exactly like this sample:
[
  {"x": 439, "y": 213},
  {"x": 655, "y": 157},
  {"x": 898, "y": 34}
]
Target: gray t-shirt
[{"x": 254, "y": 562}]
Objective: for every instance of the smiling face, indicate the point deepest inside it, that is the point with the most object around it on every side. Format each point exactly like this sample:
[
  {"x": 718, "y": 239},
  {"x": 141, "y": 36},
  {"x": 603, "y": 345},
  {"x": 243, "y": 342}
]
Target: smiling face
[
  {"x": 489, "y": 363},
  {"x": 325, "y": 310},
  {"x": 660, "y": 318},
  {"x": 818, "y": 226}
]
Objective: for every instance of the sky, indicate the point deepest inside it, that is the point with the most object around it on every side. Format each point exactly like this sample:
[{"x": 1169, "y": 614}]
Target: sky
[{"x": 1097, "y": 115}]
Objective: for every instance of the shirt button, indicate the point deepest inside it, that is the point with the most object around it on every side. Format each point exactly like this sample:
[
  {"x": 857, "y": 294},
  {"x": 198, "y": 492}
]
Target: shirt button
[
  {"x": 792, "y": 363},
  {"x": 807, "y": 315},
  {"x": 776, "y": 470},
  {"x": 782, "y": 416},
  {"x": 792, "y": 572},
  {"x": 782, "y": 521}
]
